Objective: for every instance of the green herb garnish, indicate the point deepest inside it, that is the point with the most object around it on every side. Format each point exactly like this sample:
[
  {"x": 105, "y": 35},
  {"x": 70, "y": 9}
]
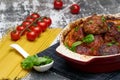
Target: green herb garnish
[
  {"x": 92, "y": 49},
  {"x": 34, "y": 60},
  {"x": 75, "y": 44},
  {"x": 76, "y": 29},
  {"x": 108, "y": 27},
  {"x": 112, "y": 43},
  {"x": 109, "y": 44},
  {"x": 118, "y": 28},
  {"x": 66, "y": 45},
  {"x": 91, "y": 21},
  {"x": 88, "y": 39},
  {"x": 103, "y": 19},
  {"x": 43, "y": 60}
]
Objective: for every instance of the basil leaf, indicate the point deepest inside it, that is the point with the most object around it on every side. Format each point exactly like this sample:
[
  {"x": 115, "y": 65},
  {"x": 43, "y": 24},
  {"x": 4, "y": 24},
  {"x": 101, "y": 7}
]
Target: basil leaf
[
  {"x": 91, "y": 22},
  {"x": 89, "y": 38},
  {"x": 75, "y": 44},
  {"x": 109, "y": 44},
  {"x": 118, "y": 27},
  {"x": 92, "y": 49},
  {"x": 66, "y": 45},
  {"x": 42, "y": 61},
  {"x": 103, "y": 19},
  {"x": 29, "y": 62},
  {"x": 76, "y": 29},
  {"x": 112, "y": 43},
  {"x": 34, "y": 60}
]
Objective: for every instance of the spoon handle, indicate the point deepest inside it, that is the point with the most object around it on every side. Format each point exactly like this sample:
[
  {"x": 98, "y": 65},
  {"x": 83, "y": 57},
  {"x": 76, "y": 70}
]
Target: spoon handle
[{"x": 20, "y": 50}]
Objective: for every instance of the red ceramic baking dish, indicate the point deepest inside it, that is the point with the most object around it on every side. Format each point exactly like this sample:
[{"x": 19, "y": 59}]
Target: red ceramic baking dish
[{"x": 87, "y": 63}]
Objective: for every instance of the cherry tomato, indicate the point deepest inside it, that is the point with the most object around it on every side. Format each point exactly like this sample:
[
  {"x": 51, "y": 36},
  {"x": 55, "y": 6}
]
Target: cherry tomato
[
  {"x": 26, "y": 23},
  {"x": 31, "y": 35},
  {"x": 43, "y": 25},
  {"x": 74, "y": 9},
  {"x": 36, "y": 29},
  {"x": 35, "y": 15},
  {"x": 20, "y": 28},
  {"x": 15, "y": 35},
  {"x": 58, "y": 4},
  {"x": 30, "y": 19},
  {"x": 47, "y": 20}
]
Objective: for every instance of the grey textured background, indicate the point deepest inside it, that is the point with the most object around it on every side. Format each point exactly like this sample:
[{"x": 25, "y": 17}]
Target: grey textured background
[{"x": 13, "y": 12}]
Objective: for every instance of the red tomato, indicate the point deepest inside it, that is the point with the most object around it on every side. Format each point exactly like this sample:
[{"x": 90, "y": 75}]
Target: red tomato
[
  {"x": 35, "y": 15},
  {"x": 58, "y": 4},
  {"x": 31, "y": 35},
  {"x": 47, "y": 20},
  {"x": 75, "y": 9},
  {"x": 15, "y": 35},
  {"x": 20, "y": 28},
  {"x": 36, "y": 29},
  {"x": 30, "y": 19},
  {"x": 26, "y": 23},
  {"x": 43, "y": 25}
]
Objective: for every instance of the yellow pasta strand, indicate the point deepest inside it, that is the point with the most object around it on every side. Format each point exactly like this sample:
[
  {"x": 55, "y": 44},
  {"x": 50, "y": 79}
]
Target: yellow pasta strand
[{"x": 10, "y": 59}]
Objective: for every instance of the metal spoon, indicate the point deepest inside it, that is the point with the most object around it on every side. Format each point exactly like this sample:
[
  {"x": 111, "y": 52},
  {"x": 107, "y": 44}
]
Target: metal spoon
[{"x": 25, "y": 55}]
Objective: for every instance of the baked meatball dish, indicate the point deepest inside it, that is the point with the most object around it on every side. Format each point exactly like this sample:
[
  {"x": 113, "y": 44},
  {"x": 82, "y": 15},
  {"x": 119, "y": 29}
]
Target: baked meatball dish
[{"x": 96, "y": 35}]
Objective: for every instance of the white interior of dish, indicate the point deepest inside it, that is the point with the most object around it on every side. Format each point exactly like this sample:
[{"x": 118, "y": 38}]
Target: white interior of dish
[{"x": 66, "y": 52}]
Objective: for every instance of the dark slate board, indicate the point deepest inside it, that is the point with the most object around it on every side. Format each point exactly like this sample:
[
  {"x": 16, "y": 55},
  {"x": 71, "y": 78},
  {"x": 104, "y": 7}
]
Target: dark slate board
[{"x": 61, "y": 68}]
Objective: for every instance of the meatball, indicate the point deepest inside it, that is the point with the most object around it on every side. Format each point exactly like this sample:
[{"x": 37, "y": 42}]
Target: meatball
[
  {"x": 105, "y": 49},
  {"x": 112, "y": 34},
  {"x": 98, "y": 40},
  {"x": 83, "y": 50},
  {"x": 90, "y": 48},
  {"x": 95, "y": 25}
]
